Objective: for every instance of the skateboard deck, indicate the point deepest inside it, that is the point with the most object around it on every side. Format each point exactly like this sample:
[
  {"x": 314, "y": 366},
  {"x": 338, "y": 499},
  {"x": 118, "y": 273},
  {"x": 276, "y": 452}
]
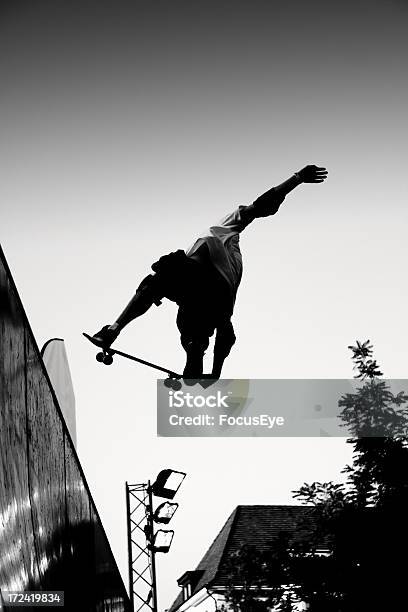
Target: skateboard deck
[{"x": 105, "y": 356}]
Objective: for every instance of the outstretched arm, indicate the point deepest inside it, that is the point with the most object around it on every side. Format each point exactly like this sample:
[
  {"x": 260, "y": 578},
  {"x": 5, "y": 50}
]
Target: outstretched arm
[
  {"x": 308, "y": 174},
  {"x": 269, "y": 202}
]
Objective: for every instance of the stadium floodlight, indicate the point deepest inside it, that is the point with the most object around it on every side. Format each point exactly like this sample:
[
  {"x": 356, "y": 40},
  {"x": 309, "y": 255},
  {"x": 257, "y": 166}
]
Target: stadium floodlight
[
  {"x": 140, "y": 523},
  {"x": 162, "y": 540},
  {"x": 164, "y": 513},
  {"x": 167, "y": 483}
]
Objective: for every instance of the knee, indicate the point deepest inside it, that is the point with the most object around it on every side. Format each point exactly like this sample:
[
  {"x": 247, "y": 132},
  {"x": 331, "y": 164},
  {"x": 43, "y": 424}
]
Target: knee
[
  {"x": 230, "y": 337},
  {"x": 149, "y": 290},
  {"x": 196, "y": 344}
]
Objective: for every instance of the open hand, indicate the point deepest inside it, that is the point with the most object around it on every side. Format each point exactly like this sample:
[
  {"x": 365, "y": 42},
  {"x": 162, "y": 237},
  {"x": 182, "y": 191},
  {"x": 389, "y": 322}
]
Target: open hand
[{"x": 313, "y": 174}]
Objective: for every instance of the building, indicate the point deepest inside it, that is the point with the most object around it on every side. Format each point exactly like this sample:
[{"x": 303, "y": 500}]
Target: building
[{"x": 202, "y": 589}]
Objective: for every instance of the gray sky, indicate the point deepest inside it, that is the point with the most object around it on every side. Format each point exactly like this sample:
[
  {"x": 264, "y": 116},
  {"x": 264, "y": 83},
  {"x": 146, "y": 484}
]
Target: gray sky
[{"x": 127, "y": 127}]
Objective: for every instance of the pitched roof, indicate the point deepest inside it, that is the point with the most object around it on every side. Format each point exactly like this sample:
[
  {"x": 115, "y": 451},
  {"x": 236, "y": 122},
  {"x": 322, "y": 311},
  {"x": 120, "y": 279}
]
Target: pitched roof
[{"x": 255, "y": 525}]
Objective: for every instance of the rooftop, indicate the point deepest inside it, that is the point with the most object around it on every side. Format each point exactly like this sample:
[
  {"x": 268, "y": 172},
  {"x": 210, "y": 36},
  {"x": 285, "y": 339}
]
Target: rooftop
[{"x": 254, "y": 525}]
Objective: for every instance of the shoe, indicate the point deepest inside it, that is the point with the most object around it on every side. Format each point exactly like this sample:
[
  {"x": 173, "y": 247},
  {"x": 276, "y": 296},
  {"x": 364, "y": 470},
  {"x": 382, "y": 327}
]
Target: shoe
[{"x": 105, "y": 337}]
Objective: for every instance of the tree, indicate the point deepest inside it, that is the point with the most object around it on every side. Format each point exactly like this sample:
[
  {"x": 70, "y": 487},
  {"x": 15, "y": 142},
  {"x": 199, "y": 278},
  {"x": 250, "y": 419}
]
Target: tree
[
  {"x": 249, "y": 587},
  {"x": 363, "y": 523},
  {"x": 364, "y": 520}
]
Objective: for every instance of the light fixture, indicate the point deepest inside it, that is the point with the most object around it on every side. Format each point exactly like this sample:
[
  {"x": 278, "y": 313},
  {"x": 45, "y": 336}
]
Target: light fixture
[
  {"x": 164, "y": 513},
  {"x": 162, "y": 540},
  {"x": 167, "y": 483}
]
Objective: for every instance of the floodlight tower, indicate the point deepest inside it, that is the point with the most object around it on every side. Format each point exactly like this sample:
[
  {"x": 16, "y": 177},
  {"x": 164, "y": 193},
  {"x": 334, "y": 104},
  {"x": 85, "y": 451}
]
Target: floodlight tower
[{"x": 143, "y": 541}]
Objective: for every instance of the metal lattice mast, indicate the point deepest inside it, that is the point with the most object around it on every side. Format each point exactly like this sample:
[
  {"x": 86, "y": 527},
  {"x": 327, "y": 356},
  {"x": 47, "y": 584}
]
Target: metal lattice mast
[{"x": 142, "y": 567}]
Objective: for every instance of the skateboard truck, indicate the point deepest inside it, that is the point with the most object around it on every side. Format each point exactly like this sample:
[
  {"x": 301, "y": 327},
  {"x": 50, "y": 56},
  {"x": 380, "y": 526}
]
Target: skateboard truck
[{"x": 104, "y": 357}]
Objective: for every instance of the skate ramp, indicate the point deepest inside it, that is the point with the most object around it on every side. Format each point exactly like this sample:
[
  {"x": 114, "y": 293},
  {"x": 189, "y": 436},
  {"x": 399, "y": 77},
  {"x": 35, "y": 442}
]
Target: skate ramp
[{"x": 51, "y": 537}]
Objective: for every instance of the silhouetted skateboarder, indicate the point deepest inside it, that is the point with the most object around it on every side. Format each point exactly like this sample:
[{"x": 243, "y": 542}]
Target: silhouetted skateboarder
[{"x": 204, "y": 280}]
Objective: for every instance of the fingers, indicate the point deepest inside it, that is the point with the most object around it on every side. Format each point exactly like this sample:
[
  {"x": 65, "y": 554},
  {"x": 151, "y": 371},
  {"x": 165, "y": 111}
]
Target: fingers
[
  {"x": 320, "y": 174},
  {"x": 317, "y": 168},
  {"x": 313, "y": 174}
]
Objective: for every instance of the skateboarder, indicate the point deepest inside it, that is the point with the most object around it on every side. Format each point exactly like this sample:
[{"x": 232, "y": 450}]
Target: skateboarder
[{"x": 204, "y": 280}]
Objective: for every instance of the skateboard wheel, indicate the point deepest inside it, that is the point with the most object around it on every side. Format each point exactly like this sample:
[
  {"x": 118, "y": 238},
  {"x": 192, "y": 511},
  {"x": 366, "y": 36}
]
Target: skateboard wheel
[
  {"x": 108, "y": 360},
  {"x": 168, "y": 383},
  {"x": 100, "y": 357},
  {"x": 176, "y": 384}
]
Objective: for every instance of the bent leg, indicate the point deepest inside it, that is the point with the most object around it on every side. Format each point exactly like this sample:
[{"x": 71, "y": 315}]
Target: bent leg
[
  {"x": 224, "y": 341},
  {"x": 140, "y": 303},
  {"x": 194, "y": 335},
  {"x": 146, "y": 294}
]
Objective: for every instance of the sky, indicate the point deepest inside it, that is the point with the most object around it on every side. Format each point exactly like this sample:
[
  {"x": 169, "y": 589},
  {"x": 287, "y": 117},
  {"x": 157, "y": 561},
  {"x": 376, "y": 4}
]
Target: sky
[{"x": 127, "y": 128}]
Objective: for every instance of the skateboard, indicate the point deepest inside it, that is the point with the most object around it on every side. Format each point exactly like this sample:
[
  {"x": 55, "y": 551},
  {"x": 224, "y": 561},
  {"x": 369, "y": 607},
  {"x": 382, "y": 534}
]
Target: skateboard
[{"x": 105, "y": 356}]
